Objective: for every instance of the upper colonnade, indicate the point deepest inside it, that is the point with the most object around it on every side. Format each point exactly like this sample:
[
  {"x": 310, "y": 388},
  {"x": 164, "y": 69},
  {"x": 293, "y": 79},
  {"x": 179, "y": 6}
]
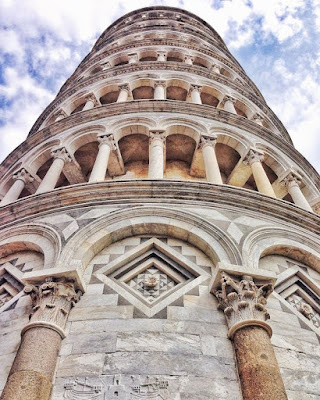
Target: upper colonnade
[{"x": 159, "y": 97}]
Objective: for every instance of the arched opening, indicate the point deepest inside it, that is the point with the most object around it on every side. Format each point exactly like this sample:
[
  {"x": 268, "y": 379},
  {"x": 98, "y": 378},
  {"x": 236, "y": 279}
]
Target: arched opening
[
  {"x": 134, "y": 149},
  {"x": 143, "y": 92},
  {"x": 179, "y": 154},
  {"x": 227, "y": 159}
]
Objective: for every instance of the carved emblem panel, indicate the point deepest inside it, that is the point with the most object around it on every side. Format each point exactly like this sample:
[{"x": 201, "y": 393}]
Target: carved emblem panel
[{"x": 119, "y": 387}]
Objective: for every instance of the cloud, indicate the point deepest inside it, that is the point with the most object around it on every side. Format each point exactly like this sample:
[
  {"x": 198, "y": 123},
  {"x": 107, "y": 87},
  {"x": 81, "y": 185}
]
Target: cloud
[{"x": 275, "y": 40}]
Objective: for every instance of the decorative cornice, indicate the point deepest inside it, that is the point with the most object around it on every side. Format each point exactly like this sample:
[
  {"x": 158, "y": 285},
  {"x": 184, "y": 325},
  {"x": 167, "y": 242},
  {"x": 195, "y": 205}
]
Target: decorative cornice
[{"x": 147, "y": 191}]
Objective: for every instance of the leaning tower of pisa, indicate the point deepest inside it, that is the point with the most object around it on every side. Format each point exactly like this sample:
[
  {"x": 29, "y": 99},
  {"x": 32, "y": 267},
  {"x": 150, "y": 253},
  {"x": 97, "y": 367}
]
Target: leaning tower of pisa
[{"x": 159, "y": 235}]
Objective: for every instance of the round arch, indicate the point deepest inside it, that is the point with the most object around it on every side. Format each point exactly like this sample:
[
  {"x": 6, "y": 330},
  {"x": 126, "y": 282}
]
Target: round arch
[
  {"x": 297, "y": 245},
  {"x": 90, "y": 240}
]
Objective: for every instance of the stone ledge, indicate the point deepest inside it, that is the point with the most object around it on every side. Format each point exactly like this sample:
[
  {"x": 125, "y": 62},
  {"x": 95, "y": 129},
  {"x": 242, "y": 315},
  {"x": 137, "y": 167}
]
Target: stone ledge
[{"x": 173, "y": 192}]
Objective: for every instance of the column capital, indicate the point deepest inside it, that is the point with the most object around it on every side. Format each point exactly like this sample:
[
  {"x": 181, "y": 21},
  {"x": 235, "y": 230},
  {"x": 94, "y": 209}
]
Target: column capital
[
  {"x": 257, "y": 118},
  {"x": 207, "y": 141},
  {"x": 23, "y": 175},
  {"x": 162, "y": 54},
  {"x": 196, "y": 88},
  {"x": 228, "y": 98},
  {"x": 107, "y": 139},
  {"x": 133, "y": 57},
  {"x": 253, "y": 155},
  {"x": 92, "y": 97},
  {"x": 216, "y": 68},
  {"x": 188, "y": 57},
  {"x": 61, "y": 153},
  {"x": 105, "y": 65},
  {"x": 125, "y": 87},
  {"x": 157, "y": 135},
  {"x": 52, "y": 301},
  {"x": 160, "y": 83},
  {"x": 242, "y": 296},
  {"x": 291, "y": 179},
  {"x": 60, "y": 114}
]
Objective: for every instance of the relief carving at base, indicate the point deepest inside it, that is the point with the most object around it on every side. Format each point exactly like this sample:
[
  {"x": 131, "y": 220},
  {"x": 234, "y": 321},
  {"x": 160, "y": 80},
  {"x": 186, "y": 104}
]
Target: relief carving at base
[{"x": 108, "y": 388}]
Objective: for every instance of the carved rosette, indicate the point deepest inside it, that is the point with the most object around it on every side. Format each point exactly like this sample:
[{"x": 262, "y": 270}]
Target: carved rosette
[
  {"x": 107, "y": 139},
  {"x": 207, "y": 141},
  {"x": 23, "y": 175},
  {"x": 61, "y": 153},
  {"x": 253, "y": 156},
  {"x": 243, "y": 302},
  {"x": 52, "y": 301}
]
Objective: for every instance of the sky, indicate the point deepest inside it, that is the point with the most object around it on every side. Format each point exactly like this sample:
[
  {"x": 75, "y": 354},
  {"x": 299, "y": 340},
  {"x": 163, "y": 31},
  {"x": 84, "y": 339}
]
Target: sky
[{"x": 276, "y": 42}]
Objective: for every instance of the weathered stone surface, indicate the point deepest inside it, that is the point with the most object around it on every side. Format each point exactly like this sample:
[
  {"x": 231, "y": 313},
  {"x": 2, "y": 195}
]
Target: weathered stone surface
[
  {"x": 81, "y": 364},
  {"x": 92, "y": 343},
  {"x": 95, "y": 300},
  {"x": 24, "y": 385},
  {"x": 195, "y": 314},
  {"x": 257, "y": 365},
  {"x": 158, "y": 342},
  {"x": 302, "y": 381},
  {"x": 290, "y": 359},
  {"x": 285, "y": 330},
  {"x": 101, "y": 312},
  {"x": 216, "y": 346},
  {"x": 156, "y": 363},
  {"x": 298, "y": 345}
]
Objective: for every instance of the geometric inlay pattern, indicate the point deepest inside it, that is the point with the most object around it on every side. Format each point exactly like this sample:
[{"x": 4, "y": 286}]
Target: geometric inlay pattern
[
  {"x": 151, "y": 283},
  {"x": 301, "y": 292},
  {"x": 151, "y": 276}
]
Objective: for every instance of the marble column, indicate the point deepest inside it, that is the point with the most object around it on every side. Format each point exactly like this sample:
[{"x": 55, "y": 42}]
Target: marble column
[
  {"x": 33, "y": 369},
  {"x": 188, "y": 59},
  {"x": 133, "y": 58},
  {"x": 156, "y": 154},
  {"x": 123, "y": 94},
  {"x": 162, "y": 56},
  {"x": 228, "y": 104},
  {"x": 207, "y": 144},
  {"x": 257, "y": 119},
  {"x": 292, "y": 182},
  {"x": 91, "y": 102},
  {"x": 60, "y": 157},
  {"x": 254, "y": 159},
  {"x": 216, "y": 68},
  {"x": 159, "y": 90},
  {"x": 20, "y": 178},
  {"x": 107, "y": 144},
  {"x": 243, "y": 302},
  {"x": 195, "y": 91}
]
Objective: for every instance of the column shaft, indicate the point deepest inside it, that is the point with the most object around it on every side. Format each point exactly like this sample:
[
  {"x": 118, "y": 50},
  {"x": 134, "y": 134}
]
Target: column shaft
[
  {"x": 211, "y": 164},
  {"x": 159, "y": 92},
  {"x": 195, "y": 95},
  {"x": 262, "y": 181},
  {"x": 88, "y": 106},
  {"x": 228, "y": 105},
  {"x": 161, "y": 56},
  {"x": 257, "y": 365},
  {"x": 33, "y": 368},
  {"x": 100, "y": 166},
  {"x": 188, "y": 60},
  {"x": 51, "y": 178},
  {"x": 123, "y": 94},
  {"x": 13, "y": 193},
  {"x": 156, "y": 156},
  {"x": 297, "y": 196}
]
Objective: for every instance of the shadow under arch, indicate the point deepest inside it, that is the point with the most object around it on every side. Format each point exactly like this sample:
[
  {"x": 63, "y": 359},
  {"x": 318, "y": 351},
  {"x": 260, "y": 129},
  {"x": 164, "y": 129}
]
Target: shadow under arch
[
  {"x": 299, "y": 246},
  {"x": 90, "y": 240},
  {"x": 37, "y": 237}
]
